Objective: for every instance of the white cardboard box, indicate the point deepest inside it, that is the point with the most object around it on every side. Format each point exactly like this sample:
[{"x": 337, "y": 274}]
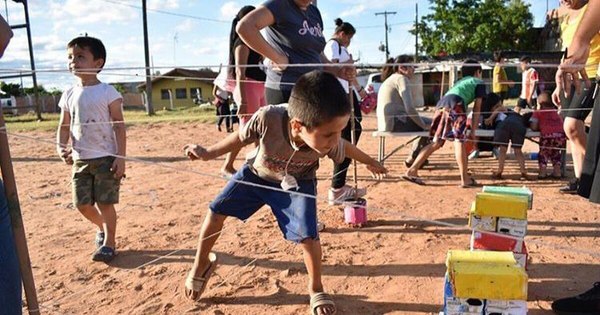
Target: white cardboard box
[
  {"x": 505, "y": 307},
  {"x": 512, "y": 227}
]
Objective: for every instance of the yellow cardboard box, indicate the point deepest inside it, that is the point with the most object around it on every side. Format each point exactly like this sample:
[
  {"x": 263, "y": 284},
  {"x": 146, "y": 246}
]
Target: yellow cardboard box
[
  {"x": 488, "y": 281},
  {"x": 502, "y": 206},
  {"x": 479, "y": 257}
]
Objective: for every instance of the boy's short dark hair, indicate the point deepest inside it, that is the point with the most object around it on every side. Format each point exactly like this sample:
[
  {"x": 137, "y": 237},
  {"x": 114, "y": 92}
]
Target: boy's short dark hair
[
  {"x": 525, "y": 59},
  {"x": 317, "y": 98},
  {"x": 94, "y": 45},
  {"x": 470, "y": 67}
]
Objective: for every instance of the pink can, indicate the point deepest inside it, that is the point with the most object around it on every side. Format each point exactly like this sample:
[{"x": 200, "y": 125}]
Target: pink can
[{"x": 355, "y": 212}]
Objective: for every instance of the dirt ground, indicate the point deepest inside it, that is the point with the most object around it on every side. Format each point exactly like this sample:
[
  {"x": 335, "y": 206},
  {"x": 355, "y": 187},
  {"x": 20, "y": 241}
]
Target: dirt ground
[{"x": 395, "y": 265}]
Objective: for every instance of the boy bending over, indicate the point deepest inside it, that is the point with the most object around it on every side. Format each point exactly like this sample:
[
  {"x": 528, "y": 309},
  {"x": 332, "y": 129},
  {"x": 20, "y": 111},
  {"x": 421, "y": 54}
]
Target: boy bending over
[{"x": 291, "y": 139}]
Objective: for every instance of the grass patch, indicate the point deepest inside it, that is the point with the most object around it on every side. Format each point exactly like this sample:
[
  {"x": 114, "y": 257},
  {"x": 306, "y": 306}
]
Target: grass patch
[{"x": 29, "y": 122}]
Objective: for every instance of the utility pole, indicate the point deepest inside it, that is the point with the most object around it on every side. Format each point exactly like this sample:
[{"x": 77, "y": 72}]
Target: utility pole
[
  {"x": 387, "y": 29},
  {"x": 416, "y": 32},
  {"x": 26, "y": 25},
  {"x": 149, "y": 108}
]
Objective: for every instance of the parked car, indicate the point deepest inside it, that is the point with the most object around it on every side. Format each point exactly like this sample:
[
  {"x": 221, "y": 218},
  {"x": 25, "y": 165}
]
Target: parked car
[
  {"x": 374, "y": 81},
  {"x": 9, "y": 105}
]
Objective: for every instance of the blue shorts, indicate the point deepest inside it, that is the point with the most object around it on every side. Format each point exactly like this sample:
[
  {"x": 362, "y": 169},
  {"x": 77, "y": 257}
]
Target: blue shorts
[{"x": 295, "y": 214}]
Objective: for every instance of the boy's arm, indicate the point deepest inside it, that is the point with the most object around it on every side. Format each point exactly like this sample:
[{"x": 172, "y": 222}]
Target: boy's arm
[
  {"x": 116, "y": 115},
  {"x": 197, "y": 152},
  {"x": 62, "y": 137},
  {"x": 355, "y": 153}
]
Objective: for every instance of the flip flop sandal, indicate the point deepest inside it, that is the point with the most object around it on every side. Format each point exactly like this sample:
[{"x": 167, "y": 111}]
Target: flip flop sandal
[
  {"x": 104, "y": 253},
  {"x": 319, "y": 300},
  {"x": 198, "y": 284},
  {"x": 413, "y": 179}
]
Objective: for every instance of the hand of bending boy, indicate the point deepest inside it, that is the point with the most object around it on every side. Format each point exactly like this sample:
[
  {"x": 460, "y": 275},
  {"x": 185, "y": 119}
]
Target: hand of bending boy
[
  {"x": 196, "y": 152},
  {"x": 376, "y": 169}
]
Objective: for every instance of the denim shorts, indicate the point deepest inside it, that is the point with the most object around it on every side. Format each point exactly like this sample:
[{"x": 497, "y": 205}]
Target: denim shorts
[{"x": 296, "y": 215}]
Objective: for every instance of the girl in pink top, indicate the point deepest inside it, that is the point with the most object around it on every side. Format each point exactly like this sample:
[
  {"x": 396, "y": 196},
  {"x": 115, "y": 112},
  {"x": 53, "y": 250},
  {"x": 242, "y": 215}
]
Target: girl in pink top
[{"x": 553, "y": 139}]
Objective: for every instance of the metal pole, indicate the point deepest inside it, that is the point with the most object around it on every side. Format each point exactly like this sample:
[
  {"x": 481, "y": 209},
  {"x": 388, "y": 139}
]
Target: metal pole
[
  {"x": 416, "y": 32},
  {"x": 38, "y": 109},
  {"x": 149, "y": 107},
  {"x": 353, "y": 139},
  {"x": 14, "y": 209}
]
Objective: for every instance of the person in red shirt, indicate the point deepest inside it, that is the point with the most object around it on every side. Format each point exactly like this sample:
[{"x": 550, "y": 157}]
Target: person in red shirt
[{"x": 553, "y": 139}]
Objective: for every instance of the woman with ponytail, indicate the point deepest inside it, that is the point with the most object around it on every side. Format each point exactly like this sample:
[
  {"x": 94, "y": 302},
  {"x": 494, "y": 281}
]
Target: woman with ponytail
[
  {"x": 336, "y": 50},
  {"x": 249, "y": 92}
]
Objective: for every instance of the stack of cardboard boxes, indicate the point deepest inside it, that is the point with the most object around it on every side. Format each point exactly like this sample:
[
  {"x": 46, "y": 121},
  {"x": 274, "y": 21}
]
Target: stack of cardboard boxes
[{"x": 490, "y": 279}]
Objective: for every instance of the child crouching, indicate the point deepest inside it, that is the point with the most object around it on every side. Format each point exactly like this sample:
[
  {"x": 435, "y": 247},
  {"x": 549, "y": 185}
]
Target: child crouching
[{"x": 291, "y": 140}]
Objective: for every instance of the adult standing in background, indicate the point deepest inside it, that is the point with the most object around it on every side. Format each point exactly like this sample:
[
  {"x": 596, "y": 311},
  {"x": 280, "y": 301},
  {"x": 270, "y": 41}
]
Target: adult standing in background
[
  {"x": 294, "y": 35},
  {"x": 249, "y": 91},
  {"x": 336, "y": 50},
  {"x": 500, "y": 82},
  {"x": 587, "y": 303},
  {"x": 576, "y": 108},
  {"x": 396, "y": 107},
  {"x": 10, "y": 274}
]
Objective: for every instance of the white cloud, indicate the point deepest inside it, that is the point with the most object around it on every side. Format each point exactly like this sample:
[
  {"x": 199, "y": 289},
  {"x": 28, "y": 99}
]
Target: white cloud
[
  {"x": 230, "y": 9},
  {"x": 354, "y": 11},
  {"x": 84, "y": 12},
  {"x": 186, "y": 26},
  {"x": 163, "y": 4}
]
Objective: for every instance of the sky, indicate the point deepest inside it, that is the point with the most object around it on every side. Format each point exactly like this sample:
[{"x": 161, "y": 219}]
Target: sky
[{"x": 191, "y": 34}]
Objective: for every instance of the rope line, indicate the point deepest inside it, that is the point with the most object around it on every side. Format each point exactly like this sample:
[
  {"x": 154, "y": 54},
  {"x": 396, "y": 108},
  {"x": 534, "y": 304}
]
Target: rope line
[{"x": 379, "y": 210}]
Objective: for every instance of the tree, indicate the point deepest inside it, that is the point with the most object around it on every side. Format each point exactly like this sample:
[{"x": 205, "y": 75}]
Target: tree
[
  {"x": 119, "y": 87},
  {"x": 467, "y": 26},
  {"x": 11, "y": 89}
]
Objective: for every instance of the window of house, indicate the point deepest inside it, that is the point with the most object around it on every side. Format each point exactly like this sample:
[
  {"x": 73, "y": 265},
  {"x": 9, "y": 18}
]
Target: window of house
[
  {"x": 180, "y": 93},
  {"x": 164, "y": 94},
  {"x": 195, "y": 92}
]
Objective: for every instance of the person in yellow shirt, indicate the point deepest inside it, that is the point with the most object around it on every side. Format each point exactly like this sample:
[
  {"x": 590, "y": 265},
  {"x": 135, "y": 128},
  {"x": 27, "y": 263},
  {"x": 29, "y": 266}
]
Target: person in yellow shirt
[
  {"x": 576, "y": 107},
  {"x": 500, "y": 82}
]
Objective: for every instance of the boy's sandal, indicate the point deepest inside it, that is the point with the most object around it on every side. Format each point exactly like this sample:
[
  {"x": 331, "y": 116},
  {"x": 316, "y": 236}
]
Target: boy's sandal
[
  {"x": 543, "y": 176},
  {"x": 198, "y": 284},
  {"x": 496, "y": 175},
  {"x": 321, "y": 299},
  {"x": 524, "y": 176},
  {"x": 104, "y": 253}
]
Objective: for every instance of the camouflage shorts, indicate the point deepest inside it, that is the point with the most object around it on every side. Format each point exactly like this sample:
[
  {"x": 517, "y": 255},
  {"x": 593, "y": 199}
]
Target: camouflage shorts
[{"x": 94, "y": 182}]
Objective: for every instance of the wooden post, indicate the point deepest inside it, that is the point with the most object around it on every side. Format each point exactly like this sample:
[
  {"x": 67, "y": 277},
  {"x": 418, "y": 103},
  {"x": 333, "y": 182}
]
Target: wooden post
[{"x": 14, "y": 209}]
